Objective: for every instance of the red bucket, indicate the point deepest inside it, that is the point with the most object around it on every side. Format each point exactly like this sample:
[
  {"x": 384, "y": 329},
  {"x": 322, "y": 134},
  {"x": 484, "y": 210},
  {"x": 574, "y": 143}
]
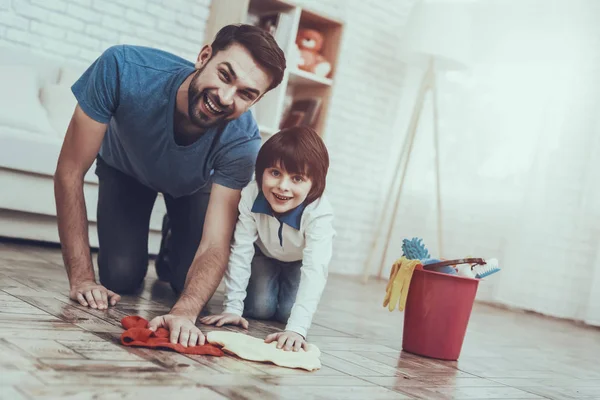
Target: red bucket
[{"x": 437, "y": 313}]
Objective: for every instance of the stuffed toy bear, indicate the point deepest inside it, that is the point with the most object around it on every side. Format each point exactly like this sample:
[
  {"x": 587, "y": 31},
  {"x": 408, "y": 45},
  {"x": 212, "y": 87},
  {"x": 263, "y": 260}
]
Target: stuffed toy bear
[{"x": 310, "y": 42}]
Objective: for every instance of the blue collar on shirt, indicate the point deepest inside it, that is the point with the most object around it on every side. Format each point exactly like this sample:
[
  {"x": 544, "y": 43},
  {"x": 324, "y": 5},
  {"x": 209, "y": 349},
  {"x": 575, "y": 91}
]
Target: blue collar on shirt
[{"x": 291, "y": 218}]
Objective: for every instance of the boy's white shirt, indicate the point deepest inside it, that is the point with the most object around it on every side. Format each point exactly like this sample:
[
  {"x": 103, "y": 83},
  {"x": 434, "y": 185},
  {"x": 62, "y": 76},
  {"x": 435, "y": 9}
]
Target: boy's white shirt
[{"x": 312, "y": 244}]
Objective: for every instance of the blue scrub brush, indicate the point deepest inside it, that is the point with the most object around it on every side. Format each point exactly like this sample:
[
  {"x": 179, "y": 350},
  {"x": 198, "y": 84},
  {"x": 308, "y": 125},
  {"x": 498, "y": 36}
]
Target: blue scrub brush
[
  {"x": 414, "y": 249},
  {"x": 487, "y": 269}
]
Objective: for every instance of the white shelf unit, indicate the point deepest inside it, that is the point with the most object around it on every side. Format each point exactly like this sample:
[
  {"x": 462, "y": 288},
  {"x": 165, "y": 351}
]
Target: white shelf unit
[{"x": 297, "y": 84}]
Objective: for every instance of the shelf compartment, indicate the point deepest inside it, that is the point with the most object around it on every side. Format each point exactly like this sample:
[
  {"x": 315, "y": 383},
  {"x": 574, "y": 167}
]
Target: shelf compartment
[{"x": 300, "y": 77}]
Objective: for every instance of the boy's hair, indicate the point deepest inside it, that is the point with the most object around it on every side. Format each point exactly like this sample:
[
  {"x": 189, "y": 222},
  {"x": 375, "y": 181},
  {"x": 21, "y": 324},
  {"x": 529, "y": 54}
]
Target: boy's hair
[
  {"x": 298, "y": 150},
  {"x": 261, "y": 44}
]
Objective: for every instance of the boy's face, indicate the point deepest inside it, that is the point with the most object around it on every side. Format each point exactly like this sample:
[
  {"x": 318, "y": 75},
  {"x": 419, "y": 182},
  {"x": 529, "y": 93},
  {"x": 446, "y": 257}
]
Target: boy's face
[
  {"x": 225, "y": 86},
  {"x": 284, "y": 191}
]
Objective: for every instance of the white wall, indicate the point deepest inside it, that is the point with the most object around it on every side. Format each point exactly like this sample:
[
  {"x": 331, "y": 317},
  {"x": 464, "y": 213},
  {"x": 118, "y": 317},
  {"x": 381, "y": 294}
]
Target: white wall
[
  {"x": 542, "y": 78},
  {"x": 81, "y": 29},
  {"x": 520, "y": 138}
]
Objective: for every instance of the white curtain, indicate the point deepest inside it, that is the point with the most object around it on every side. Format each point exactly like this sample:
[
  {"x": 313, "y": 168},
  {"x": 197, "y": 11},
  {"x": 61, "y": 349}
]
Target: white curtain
[{"x": 520, "y": 139}]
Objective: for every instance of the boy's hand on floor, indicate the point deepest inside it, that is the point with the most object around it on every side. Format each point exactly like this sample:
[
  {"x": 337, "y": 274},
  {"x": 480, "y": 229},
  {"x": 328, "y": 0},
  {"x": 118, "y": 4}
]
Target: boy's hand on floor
[
  {"x": 89, "y": 293},
  {"x": 225, "y": 319},
  {"x": 288, "y": 340},
  {"x": 182, "y": 329}
]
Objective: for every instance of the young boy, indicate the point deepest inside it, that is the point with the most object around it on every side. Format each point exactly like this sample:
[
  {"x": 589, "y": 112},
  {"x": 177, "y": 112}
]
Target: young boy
[{"x": 283, "y": 239}]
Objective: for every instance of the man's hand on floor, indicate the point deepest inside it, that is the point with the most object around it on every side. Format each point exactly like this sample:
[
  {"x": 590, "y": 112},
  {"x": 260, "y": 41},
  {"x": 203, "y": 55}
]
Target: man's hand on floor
[
  {"x": 89, "y": 293},
  {"x": 182, "y": 329},
  {"x": 225, "y": 319}
]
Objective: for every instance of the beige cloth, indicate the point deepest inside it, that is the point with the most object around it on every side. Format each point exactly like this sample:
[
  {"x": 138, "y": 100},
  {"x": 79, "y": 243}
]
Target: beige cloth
[{"x": 254, "y": 349}]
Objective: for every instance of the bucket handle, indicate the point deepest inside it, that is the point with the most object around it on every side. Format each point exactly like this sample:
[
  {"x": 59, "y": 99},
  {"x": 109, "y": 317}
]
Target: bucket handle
[{"x": 478, "y": 261}]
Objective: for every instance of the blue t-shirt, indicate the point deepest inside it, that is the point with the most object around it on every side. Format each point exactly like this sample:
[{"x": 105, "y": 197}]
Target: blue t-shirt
[{"x": 133, "y": 89}]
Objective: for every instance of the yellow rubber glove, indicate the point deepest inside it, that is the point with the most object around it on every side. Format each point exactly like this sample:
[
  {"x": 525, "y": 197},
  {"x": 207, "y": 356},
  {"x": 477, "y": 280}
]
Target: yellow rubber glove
[
  {"x": 388, "y": 289},
  {"x": 400, "y": 277}
]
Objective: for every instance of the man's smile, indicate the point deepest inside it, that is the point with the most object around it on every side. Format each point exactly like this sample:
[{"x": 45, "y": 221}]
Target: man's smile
[{"x": 211, "y": 106}]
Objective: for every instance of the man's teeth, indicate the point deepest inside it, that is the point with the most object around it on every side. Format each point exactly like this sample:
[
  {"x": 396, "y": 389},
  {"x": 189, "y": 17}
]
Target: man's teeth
[
  {"x": 281, "y": 197},
  {"x": 212, "y": 107}
]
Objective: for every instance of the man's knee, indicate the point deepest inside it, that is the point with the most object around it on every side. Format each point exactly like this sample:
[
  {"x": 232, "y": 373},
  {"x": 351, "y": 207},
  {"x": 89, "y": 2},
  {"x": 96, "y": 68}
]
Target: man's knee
[{"x": 122, "y": 274}]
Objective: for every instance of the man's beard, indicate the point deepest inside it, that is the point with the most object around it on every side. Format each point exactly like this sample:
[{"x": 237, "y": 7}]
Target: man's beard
[{"x": 196, "y": 100}]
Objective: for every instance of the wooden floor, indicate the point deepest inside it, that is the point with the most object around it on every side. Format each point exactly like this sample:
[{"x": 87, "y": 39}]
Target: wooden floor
[{"x": 53, "y": 348}]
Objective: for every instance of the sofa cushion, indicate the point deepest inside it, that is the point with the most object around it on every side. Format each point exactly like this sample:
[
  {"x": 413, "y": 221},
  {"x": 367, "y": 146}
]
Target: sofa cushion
[
  {"x": 36, "y": 154},
  {"x": 60, "y": 103},
  {"x": 20, "y": 106},
  {"x": 46, "y": 66}
]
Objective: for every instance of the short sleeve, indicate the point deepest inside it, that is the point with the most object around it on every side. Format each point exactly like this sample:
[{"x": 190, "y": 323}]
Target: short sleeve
[
  {"x": 97, "y": 90},
  {"x": 236, "y": 169}
]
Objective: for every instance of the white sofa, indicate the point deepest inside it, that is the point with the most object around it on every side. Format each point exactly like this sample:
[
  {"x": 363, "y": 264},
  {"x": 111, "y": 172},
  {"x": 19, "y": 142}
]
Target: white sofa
[{"x": 36, "y": 105}]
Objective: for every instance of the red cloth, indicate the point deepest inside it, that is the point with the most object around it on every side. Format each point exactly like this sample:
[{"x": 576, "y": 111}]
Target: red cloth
[{"x": 137, "y": 334}]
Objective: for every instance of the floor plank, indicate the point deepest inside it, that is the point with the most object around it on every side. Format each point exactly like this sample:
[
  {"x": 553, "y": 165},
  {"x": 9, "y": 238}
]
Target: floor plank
[
  {"x": 51, "y": 347},
  {"x": 134, "y": 392}
]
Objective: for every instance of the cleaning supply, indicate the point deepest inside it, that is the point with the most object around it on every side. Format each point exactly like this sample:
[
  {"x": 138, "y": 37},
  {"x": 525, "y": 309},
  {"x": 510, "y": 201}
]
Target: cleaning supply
[
  {"x": 414, "y": 249},
  {"x": 437, "y": 314},
  {"x": 439, "y": 303},
  {"x": 491, "y": 267},
  {"x": 255, "y": 349},
  {"x": 432, "y": 264},
  {"x": 437, "y": 266},
  {"x": 466, "y": 271},
  {"x": 137, "y": 334},
  {"x": 399, "y": 283}
]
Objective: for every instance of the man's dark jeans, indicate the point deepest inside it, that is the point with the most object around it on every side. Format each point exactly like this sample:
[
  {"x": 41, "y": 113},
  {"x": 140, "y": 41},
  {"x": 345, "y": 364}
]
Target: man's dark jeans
[{"x": 124, "y": 208}]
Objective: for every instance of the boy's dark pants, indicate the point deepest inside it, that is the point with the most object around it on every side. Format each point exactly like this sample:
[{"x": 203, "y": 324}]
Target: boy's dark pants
[{"x": 124, "y": 208}]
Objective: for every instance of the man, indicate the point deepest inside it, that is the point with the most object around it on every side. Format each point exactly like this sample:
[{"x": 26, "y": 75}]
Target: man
[{"x": 157, "y": 123}]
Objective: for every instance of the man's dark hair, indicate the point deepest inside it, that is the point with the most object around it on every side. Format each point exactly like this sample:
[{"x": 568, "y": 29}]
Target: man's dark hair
[{"x": 261, "y": 44}]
